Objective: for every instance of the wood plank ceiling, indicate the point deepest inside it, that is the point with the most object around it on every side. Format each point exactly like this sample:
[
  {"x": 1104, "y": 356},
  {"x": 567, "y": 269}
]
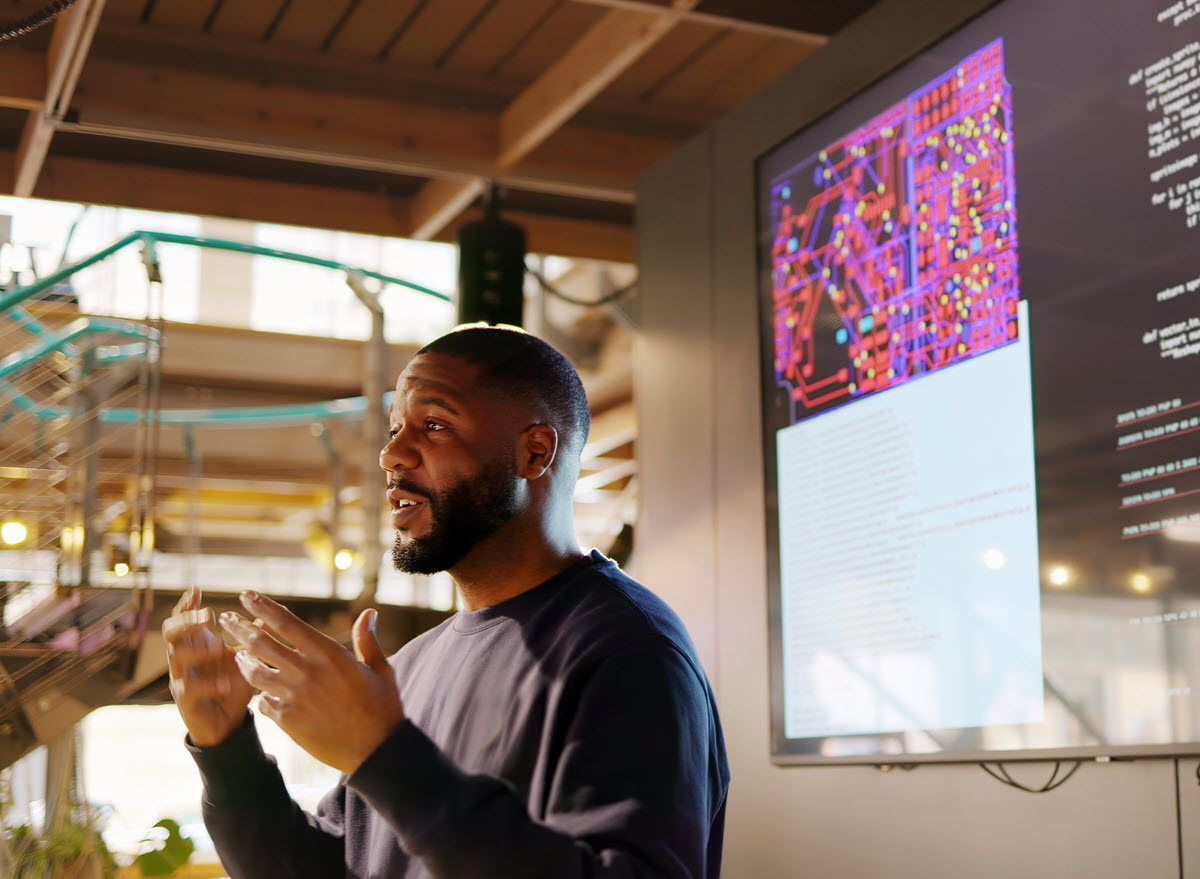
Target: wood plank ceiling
[{"x": 385, "y": 116}]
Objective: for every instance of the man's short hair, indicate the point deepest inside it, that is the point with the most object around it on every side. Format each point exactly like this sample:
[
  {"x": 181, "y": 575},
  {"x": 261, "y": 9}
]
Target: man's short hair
[{"x": 516, "y": 362}]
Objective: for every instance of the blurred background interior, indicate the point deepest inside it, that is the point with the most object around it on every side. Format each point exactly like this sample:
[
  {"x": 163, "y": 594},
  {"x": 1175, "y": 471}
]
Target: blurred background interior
[{"x": 192, "y": 408}]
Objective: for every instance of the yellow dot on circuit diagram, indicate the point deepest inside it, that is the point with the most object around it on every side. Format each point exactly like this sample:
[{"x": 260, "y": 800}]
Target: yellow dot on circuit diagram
[
  {"x": 943, "y": 166},
  {"x": 871, "y": 372},
  {"x": 825, "y": 273},
  {"x": 970, "y": 301},
  {"x": 895, "y": 337},
  {"x": 880, "y": 188},
  {"x": 962, "y": 349},
  {"x": 943, "y": 299},
  {"x": 852, "y": 387},
  {"x": 904, "y": 309},
  {"x": 893, "y": 271},
  {"x": 990, "y": 303},
  {"x": 828, "y": 173}
]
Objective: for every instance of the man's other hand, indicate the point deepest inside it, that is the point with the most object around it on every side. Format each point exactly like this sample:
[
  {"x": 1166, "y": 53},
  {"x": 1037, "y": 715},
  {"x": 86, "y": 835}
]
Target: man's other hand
[
  {"x": 336, "y": 705},
  {"x": 210, "y": 693}
]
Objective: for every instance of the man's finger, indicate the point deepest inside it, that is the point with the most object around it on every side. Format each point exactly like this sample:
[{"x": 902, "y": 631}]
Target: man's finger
[
  {"x": 366, "y": 644},
  {"x": 258, "y": 641},
  {"x": 257, "y": 673},
  {"x": 281, "y": 620},
  {"x": 190, "y": 600},
  {"x": 177, "y": 625}
]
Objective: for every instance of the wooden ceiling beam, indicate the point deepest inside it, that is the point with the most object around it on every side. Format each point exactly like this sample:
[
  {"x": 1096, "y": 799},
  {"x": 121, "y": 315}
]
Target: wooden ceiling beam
[
  {"x": 583, "y": 71},
  {"x": 119, "y": 99},
  {"x": 722, "y": 21},
  {"x": 562, "y": 236},
  {"x": 252, "y": 61},
  {"x": 22, "y": 79},
  {"x": 601, "y": 55},
  {"x": 326, "y": 207},
  {"x": 166, "y": 189},
  {"x": 319, "y": 149},
  {"x": 439, "y": 201},
  {"x": 69, "y": 44}
]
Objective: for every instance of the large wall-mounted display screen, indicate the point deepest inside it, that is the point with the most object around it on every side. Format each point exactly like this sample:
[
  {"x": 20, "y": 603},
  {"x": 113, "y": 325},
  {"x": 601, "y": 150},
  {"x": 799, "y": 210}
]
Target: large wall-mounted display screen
[{"x": 980, "y": 303}]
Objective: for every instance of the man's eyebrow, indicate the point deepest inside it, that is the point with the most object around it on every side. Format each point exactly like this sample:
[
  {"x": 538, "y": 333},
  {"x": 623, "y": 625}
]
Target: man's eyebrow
[{"x": 437, "y": 401}]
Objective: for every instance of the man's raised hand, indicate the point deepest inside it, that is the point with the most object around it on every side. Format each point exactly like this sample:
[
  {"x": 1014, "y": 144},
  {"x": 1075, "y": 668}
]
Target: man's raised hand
[
  {"x": 336, "y": 705},
  {"x": 210, "y": 693}
]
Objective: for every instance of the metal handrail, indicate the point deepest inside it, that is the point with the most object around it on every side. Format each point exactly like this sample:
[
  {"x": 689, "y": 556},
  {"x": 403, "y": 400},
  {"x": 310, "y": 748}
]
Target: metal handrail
[
  {"x": 51, "y": 340},
  {"x": 149, "y": 239}
]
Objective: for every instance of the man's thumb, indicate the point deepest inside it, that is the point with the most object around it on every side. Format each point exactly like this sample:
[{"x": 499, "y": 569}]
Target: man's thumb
[{"x": 366, "y": 645}]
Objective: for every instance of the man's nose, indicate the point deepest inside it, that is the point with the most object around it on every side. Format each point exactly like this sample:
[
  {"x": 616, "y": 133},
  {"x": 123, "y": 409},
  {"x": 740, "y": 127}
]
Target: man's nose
[{"x": 397, "y": 453}]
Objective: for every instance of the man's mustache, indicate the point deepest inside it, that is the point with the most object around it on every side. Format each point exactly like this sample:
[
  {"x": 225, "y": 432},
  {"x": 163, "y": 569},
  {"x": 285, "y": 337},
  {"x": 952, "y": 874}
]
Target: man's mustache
[{"x": 409, "y": 486}]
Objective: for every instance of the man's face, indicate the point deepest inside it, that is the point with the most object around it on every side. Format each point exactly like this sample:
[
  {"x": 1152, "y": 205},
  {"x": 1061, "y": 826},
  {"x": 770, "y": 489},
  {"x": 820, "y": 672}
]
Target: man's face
[{"x": 451, "y": 465}]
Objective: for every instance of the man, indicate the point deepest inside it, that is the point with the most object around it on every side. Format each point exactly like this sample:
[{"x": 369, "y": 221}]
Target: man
[{"x": 558, "y": 726}]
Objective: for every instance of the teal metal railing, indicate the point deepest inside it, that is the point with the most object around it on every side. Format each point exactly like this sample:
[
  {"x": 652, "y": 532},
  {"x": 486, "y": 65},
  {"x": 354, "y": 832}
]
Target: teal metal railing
[{"x": 49, "y": 340}]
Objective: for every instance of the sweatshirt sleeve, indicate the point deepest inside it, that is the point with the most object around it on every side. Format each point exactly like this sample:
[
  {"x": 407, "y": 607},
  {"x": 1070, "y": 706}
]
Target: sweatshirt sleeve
[
  {"x": 638, "y": 784},
  {"x": 257, "y": 828}
]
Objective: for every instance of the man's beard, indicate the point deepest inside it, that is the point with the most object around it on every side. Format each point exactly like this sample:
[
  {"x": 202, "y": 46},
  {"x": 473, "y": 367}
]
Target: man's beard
[{"x": 460, "y": 516}]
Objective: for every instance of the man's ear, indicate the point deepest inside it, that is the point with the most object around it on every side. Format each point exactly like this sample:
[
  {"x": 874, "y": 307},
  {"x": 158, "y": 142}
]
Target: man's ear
[{"x": 539, "y": 448}]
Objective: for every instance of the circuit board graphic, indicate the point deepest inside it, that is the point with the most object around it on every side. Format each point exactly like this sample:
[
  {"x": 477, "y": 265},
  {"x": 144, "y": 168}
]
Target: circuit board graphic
[{"x": 894, "y": 249}]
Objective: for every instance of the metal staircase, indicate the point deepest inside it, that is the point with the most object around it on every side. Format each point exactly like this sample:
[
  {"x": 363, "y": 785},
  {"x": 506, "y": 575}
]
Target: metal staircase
[
  {"x": 79, "y": 448},
  {"x": 59, "y": 626}
]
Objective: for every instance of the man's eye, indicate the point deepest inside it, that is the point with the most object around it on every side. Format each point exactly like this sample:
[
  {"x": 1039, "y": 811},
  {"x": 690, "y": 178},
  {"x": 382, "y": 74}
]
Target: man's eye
[{"x": 433, "y": 425}]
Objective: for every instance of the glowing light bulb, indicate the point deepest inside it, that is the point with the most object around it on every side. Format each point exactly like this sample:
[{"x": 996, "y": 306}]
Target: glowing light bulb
[
  {"x": 994, "y": 559},
  {"x": 120, "y": 569},
  {"x": 1060, "y": 575},
  {"x": 13, "y": 533},
  {"x": 1140, "y": 582},
  {"x": 343, "y": 560}
]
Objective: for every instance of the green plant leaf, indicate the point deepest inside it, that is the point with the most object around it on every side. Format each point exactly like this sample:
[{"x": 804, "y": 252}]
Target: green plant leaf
[{"x": 170, "y": 856}]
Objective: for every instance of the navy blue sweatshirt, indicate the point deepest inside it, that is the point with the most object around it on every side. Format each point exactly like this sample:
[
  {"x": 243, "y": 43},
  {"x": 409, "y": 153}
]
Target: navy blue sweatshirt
[{"x": 567, "y": 732}]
